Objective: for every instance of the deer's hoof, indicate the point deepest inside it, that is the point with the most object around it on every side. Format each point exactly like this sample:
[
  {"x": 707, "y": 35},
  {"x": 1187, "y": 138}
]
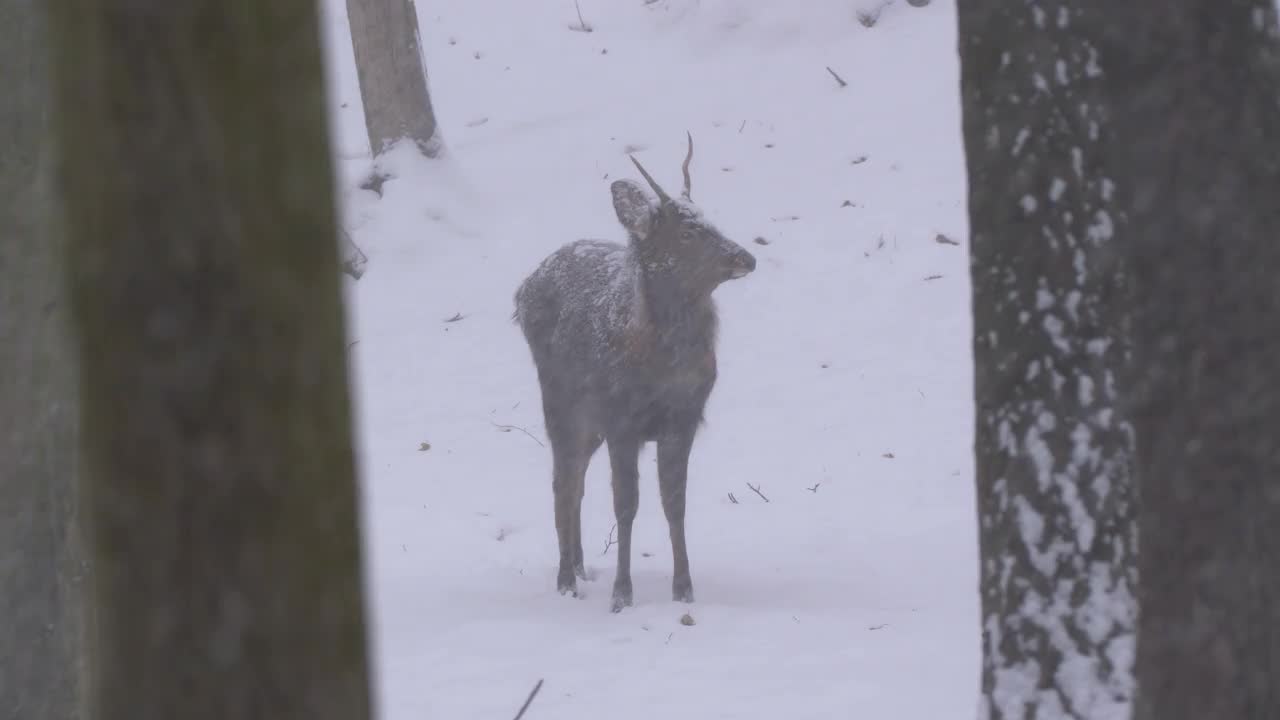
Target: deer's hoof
[
  {"x": 621, "y": 597},
  {"x": 567, "y": 584}
]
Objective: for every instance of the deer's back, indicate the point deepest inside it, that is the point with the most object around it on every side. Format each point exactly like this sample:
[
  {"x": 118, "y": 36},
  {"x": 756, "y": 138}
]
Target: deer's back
[
  {"x": 575, "y": 307},
  {"x": 592, "y": 335}
]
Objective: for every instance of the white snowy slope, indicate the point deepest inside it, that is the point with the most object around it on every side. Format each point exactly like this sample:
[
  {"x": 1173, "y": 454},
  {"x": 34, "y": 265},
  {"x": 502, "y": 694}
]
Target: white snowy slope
[{"x": 845, "y": 372}]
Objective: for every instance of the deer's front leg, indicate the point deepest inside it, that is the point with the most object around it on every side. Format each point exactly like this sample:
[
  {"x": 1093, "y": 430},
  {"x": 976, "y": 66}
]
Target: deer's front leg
[
  {"x": 624, "y": 457},
  {"x": 673, "y": 478}
]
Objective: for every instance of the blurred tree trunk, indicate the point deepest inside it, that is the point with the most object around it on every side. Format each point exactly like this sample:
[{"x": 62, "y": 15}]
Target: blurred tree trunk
[
  {"x": 1051, "y": 351},
  {"x": 219, "y": 477},
  {"x": 40, "y": 558},
  {"x": 1197, "y": 100},
  {"x": 393, "y": 74}
]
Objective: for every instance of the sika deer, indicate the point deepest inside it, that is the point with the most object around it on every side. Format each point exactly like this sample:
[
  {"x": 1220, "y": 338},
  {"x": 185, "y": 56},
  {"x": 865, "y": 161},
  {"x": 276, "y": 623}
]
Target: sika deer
[{"x": 623, "y": 338}]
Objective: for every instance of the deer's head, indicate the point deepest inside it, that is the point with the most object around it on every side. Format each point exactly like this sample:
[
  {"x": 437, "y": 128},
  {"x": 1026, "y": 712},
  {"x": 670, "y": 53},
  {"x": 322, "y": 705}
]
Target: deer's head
[{"x": 673, "y": 240}]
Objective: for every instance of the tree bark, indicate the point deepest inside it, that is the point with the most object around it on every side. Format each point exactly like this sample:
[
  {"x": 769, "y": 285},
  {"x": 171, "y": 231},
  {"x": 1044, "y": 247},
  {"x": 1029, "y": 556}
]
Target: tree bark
[
  {"x": 40, "y": 556},
  {"x": 219, "y": 476},
  {"x": 1197, "y": 100},
  {"x": 1053, "y": 443},
  {"x": 392, "y": 74}
]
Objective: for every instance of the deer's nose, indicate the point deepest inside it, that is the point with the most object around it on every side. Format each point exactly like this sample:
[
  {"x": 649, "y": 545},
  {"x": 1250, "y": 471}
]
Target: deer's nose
[{"x": 743, "y": 264}]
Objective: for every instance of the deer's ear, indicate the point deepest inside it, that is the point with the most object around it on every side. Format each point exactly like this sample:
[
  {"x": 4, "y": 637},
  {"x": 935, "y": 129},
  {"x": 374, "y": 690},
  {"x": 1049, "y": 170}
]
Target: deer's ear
[{"x": 634, "y": 207}]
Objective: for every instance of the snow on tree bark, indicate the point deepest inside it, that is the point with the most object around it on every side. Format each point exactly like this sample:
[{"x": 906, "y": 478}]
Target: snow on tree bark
[
  {"x": 1053, "y": 444},
  {"x": 1197, "y": 98},
  {"x": 392, "y": 73},
  {"x": 219, "y": 473}
]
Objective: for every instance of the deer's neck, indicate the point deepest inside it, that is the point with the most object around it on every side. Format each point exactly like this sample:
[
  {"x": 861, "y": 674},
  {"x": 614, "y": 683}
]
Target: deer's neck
[{"x": 680, "y": 315}]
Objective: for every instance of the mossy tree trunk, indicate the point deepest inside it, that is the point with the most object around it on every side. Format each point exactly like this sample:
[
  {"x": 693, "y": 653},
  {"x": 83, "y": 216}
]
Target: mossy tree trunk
[
  {"x": 41, "y": 561},
  {"x": 219, "y": 479}
]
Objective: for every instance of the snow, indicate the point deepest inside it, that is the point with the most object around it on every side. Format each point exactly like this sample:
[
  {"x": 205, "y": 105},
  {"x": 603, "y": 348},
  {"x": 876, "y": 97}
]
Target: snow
[{"x": 845, "y": 377}]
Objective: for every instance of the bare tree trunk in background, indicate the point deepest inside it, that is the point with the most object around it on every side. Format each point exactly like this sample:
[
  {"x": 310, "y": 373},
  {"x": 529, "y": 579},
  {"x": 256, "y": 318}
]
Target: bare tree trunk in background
[
  {"x": 41, "y": 566},
  {"x": 1053, "y": 445},
  {"x": 1197, "y": 100},
  {"x": 393, "y": 74},
  {"x": 219, "y": 477}
]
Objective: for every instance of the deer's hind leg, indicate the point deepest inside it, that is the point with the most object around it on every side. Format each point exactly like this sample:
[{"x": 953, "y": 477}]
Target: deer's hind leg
[
  {"x": 575, "y": 525},
  {"x": 573, "y": 440}
]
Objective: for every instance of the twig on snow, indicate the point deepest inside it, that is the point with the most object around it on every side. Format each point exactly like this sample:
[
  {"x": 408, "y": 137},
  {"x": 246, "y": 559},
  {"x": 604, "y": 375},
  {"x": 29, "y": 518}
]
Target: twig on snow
[
  {"x": 509, "y": 428},
  {"x": 609, "y": 541},
  {"x": 836, "y": 75},
  {"x": 814, "y": 489},
  {"x": 532, "y": 694},
  {"x": 733, "y": 499},
  {"x": 582, "y": 24},
  {"x": 756, "y": 489},
  {"x": 353, "y": 258}
]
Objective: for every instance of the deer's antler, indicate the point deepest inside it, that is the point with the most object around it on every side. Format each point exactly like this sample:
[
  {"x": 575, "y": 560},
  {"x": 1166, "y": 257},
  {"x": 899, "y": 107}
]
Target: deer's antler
[{"x": 685, "y": 168}]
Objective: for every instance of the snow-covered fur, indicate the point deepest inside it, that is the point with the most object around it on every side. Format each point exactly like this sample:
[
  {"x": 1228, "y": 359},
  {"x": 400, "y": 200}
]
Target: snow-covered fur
[{"x": 623, "y": 337}]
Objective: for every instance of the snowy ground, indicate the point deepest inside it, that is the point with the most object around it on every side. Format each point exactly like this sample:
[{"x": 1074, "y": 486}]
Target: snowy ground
[{"x": 845, "y": 372}]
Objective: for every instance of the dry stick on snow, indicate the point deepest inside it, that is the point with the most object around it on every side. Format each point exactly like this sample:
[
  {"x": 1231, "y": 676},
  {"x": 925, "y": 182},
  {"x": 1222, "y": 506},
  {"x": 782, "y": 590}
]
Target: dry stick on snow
[
  {"x": 836, "y": 75},
  {"x": 733, "y": 499},
  {"x": 582, "y": 24},
  {"x": 814, "y": 489},
  {"x": 509, "y": 428},
  {"x": 756, "y": 489},
  {"x": 532, "y": 694},
  {"x": 609, "y": 541}
]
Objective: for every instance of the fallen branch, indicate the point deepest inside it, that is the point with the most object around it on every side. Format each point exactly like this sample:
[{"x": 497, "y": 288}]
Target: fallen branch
[
  {"x": 582, "y": 24},
  {"x": 756, "y": 489},
  {"x": 837, "y": 77},
  {"x": 814, "y": 489},
  {"x": 509, "y": 428},
  {"x": 353, "y": 258},
  {"x": 609, "y": 541},
  {"x": 733, "y": 499},
  {"x": 532, "y": 694}
]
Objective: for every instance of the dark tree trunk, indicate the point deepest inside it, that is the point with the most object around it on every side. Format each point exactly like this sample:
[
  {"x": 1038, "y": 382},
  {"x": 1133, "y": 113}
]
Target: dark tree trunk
[
  {"x": 1197, "y": 100},
  {"x": 40, "y": 557},
  {"x": 219, "y": 481},
  {"x": 1053, "y": 446},
  {"x": 392, "y": 74}
]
